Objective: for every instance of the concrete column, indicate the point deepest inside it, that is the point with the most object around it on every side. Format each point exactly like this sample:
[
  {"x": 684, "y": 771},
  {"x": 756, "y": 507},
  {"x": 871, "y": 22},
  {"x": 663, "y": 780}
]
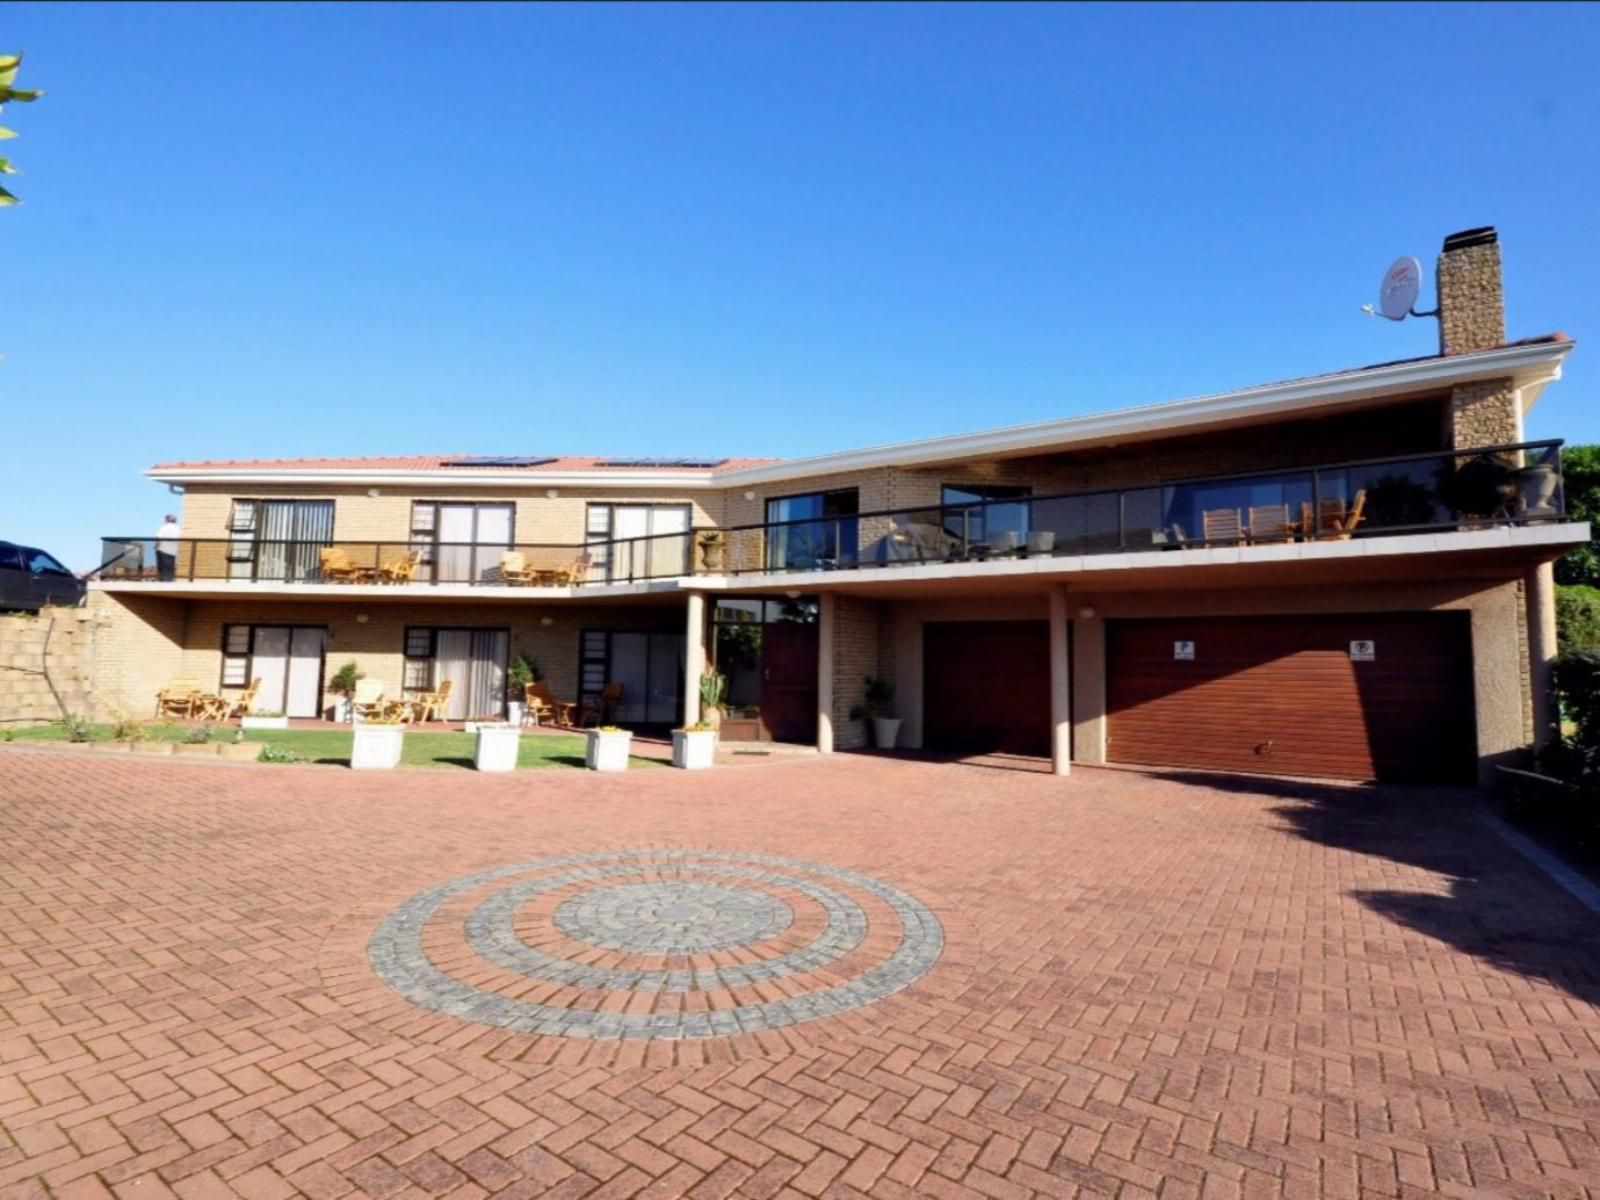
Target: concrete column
[
  {"x": 694, "y": 657},
  {"x": 826, "y": 622},
  {"x": 1060, "y": 685},
  {"x": 1539, "y": 591}
]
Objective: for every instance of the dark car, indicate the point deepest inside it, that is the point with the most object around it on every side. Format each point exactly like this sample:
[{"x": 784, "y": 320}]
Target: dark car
[{"x": 30, "y": 579}]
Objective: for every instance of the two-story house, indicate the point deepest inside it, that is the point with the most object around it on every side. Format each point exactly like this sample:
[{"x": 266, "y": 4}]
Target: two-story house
[{"x": 1342, "y": 575}]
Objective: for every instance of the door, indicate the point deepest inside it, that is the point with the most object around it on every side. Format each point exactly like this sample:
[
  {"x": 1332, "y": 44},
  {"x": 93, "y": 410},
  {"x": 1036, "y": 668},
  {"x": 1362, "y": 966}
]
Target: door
[
  {"x": 474, "y": 661},
  {"x": 288, "y": 661},
  {"x": 16, "y": 588},
  {"x": 291, "y": 537},
  {"x": 452, "y": 562},
  {"x": 789, "y": 682},
  {"x": 986, "y": 687},
  {"x": 649, "y": 666},
  {"x": 1384, "y": 696}
]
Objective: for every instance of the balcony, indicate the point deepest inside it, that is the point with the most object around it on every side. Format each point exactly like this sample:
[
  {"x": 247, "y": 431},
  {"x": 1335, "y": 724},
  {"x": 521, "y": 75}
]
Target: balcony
[{"x": 1508, "y": 485}]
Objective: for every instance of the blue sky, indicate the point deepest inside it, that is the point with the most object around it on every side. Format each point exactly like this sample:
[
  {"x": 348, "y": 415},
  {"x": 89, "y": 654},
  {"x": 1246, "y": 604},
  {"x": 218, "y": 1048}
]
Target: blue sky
[{"x": 284, "y": 230}]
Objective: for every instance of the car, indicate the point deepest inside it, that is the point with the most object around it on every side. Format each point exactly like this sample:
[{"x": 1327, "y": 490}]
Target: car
[{"x": 30, "y": 579}]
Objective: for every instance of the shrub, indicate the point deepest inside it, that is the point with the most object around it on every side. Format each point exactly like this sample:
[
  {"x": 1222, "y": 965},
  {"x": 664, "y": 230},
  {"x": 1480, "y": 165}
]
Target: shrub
[
  {"x": 78, "y": 727},
  {"x": 126, "y": 730},
  {"x": 1577, "y": 617},
  {"x": 198, "y": 736},
  {"x": 345, "y": 679},
  {"x": 279, "y": 754}
]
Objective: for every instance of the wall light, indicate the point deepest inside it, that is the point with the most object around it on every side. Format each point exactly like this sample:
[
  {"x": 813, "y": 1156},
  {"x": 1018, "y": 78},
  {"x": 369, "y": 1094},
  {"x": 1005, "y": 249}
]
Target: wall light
[
  {"x": 749, "y": 495},
  {"x": 552, "y": 493},
  {"x": 1086, "y": 612},
  {"x": 793, "y": 595},
  {"x": 547, "y": 620},
  {"x": 361, "y": 618},
  {"x": 374, "y": 493}
]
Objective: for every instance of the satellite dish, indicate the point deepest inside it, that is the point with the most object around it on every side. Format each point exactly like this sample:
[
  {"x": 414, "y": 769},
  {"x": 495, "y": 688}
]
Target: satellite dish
[{"x": 1398, "y": 292}]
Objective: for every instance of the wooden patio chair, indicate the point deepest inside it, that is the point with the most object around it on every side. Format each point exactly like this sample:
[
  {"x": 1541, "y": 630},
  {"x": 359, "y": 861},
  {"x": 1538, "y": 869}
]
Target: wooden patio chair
[
  {"x": 368, "y": 703},
  {"x": 209, "y": 706},
  {"x": 574, "y": 572},
  {"x": 543, "y": 704},
  {"x": 245, "y": 702},
  {"x": 1221, "y": 526},
  {"x": 430, "y": 706},
  {"x": 597, "y": 710},
  {"x": 1270, "y": 523},
  {"x": 334, "y": 566},
  {"x": 514, "y": 568},
  {"x": 1337, "y": 523},
  {"x": 401, "y": 570},
  {"x": 179, "y": 698}
]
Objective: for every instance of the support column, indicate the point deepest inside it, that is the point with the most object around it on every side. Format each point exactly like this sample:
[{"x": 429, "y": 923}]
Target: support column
[
  {"x": 1060, "y": 685},
  {"x": 694, "y": 657},
  {"x": 826, "y": 622},
  {"x": 1539, "y": 592}
]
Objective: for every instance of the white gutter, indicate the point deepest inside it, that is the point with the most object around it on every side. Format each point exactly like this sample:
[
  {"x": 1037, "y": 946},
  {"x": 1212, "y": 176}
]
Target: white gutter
[
  {"x": 464, "y": 478},
  {"x": 1540, "y": 362}
]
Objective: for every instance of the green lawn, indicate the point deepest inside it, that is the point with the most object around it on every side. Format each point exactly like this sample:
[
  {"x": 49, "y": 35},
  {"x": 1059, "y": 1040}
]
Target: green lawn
[{"x": 333, "y": 745}]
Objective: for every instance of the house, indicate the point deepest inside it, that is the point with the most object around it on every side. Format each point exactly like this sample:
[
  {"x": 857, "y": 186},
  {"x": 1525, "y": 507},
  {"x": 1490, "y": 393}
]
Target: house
[{"x": 1343, "y": 575}]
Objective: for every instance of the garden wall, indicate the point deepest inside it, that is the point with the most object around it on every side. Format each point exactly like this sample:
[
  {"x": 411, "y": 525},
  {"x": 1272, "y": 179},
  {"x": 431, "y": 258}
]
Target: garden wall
[{"x": 46, "y": 665}]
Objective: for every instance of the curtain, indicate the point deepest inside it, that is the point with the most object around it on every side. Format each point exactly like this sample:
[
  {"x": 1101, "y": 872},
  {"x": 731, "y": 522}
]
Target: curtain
[
  {"x": 274, "y": 529},
  {"x": 290, "y": 534},
  {"x": 474, "y": 661}
]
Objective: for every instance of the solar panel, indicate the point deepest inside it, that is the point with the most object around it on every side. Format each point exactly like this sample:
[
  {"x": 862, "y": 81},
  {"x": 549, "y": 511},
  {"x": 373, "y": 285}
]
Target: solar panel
[
  {"x": 502, "y": 460},
  {"x": 662, "y": 462}
]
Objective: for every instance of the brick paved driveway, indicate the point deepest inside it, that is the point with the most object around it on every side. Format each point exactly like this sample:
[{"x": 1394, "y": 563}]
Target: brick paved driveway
[{"x": 1129, "y": 986}]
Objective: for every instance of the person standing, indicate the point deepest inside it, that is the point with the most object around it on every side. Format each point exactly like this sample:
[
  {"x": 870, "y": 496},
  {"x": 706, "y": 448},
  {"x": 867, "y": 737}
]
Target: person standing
[{"x": 167, "y": 549}]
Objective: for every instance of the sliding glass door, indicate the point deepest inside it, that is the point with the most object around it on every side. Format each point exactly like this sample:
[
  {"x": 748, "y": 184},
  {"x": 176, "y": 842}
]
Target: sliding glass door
[
  {"x": 811, "y": 532},
  {"x": 639, "y": 541},
  {"x": 464, "y": 542},
  {"x": 472, "y": 660},
  {"x": 279, "y": 539}
]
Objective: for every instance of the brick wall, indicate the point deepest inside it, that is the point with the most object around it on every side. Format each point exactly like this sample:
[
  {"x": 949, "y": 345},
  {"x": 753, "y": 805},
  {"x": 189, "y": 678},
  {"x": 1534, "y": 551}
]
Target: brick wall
[
  {"x": 856, "y": 642},
  {"x": 1484, "y": 414},
  {"x": 46, "y": 664},
  {"x": 139, "y": 650}
]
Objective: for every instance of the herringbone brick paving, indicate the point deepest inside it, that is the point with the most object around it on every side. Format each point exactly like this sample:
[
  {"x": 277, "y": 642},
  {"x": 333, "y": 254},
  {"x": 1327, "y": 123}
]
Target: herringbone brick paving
[{"x": 1150, "y": 986}]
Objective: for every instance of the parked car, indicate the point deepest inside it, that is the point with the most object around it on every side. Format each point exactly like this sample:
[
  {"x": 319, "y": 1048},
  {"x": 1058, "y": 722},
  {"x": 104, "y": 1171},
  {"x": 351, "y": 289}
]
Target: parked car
[{"x": 30, "y": 579}]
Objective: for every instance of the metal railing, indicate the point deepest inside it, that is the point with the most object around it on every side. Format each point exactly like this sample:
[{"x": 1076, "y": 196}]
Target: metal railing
[{"x": 1446, "y": 490}]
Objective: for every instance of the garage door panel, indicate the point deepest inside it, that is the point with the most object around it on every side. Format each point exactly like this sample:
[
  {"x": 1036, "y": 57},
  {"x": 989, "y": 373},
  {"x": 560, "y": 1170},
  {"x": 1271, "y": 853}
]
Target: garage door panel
[
  {"x": 1282, "y": 695},
  {"x": 986, "y": 686}
]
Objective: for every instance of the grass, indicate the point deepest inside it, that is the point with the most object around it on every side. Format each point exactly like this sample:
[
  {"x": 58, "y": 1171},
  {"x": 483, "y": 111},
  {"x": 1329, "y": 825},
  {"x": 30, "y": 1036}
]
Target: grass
[{"x": 333, "y": 745}]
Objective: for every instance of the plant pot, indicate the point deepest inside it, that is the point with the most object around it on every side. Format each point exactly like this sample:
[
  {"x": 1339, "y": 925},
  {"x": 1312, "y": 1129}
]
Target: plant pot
[
  {"x": 607, "y": 749},
  {"x": 885, "y": 730},
  {"x": 377, "y": 747},
  {"x": 496, "y": 747},
  {"x": 711, "y": 555},
  {"x": 342, "y": 711},
  {"x": 241, "y": 751},
  {"x": 516, "y": 710},
  {"x": 694, "y": 749},
  {"x": 264, "y": 722},
  {"x": 1539, "y": 490},
  {"x": 1042, "y": 541},
  {"x": 164, "y": 748},
  {"x": 195, "y": 749}
]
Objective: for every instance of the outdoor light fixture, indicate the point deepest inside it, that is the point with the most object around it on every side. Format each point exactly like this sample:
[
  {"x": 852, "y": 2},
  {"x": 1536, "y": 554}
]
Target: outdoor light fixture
[
  {"x": 552, "y": 493},
  {"x": 547, "y": 620},
  {"x": 793, "y": 595},
  {"x": 361, "y": 618},
  {"x": 749, "y": 495},
  {"x": 374, "y": 493},
  {"x": 1086, "y": 612}
]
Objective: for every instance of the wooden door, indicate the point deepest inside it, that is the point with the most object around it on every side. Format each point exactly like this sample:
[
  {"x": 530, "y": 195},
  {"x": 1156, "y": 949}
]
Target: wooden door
[
  {"x": 1288, "y": 695},
  {"x": 789, "y": 682},
  {"x": 986, "y": 686}
]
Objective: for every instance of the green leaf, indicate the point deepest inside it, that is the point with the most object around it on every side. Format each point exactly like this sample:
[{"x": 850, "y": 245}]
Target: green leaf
[
  {"x": 6, "y": 168},
  {"x": 6, "y": 198},
  {"x": 6, "y": 133},
  {"x": 20, "y": 95}
]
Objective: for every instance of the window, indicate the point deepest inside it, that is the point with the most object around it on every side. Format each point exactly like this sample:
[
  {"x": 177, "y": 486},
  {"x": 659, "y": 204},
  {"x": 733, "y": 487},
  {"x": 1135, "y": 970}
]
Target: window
[
  {"x": 278, "y": 539},
  {"x": 813, "y": 531},
  {"x": 41, "y": 563},
  {"x": 10, "y": 558},
  {"x": 472, "y": 661},
  {"x": 639, "y": 541},
  {"x": 647, "y": 666},
  {"x": 462, "y": 543},
  {"x": 996, "y": 518},
  {"x": 235, "y": 655}
]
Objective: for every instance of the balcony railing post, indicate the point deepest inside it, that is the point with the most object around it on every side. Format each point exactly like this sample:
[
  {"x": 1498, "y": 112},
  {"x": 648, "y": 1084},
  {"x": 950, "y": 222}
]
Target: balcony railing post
[
  {"x": 1316, "y": 503},
  {"x": 1122, "y": 520}
]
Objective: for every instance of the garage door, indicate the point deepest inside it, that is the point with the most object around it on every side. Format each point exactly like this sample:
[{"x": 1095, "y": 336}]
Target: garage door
[
  {"x": 986, "y": 686},
  {"x": 1387, "y": 696}
]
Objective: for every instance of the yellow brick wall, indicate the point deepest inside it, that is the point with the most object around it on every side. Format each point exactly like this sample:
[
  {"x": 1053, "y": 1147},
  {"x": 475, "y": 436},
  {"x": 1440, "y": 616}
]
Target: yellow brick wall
[
  {"x": 138, "y": 650},
  {"x": 856, "y": 630}
]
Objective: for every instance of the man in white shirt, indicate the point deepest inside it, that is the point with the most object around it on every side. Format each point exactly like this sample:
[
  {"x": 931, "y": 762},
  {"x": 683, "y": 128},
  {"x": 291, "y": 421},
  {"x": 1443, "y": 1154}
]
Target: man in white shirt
[{"x": 167, "y": 548}]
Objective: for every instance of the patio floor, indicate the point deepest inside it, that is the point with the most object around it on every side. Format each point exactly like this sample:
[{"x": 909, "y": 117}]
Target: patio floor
[{"x": 839, "y": 976}]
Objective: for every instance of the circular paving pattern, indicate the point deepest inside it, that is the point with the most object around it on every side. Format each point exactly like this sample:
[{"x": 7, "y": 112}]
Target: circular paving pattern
[{"x": 654, "y": 944}]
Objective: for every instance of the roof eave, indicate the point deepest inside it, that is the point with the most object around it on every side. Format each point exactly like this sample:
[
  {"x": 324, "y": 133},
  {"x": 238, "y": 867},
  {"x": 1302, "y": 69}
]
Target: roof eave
[{"x": 472, "y": 478}]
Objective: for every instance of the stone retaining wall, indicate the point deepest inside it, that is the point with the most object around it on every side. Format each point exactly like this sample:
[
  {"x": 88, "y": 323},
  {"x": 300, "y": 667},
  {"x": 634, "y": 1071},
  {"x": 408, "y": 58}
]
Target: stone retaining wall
[{"x": 46, "y": 666}]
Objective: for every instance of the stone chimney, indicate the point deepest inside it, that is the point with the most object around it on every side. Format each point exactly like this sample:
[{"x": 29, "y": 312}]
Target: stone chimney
[
  {"x": 1472, "y": 307},
  {"x": 1472, "y": 316}
]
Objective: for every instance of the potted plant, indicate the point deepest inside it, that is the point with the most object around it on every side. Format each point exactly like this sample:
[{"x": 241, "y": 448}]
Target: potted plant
[
  {"x": 518, "y": 676},
  {"x": 875, "y": 707},
  {"x": 713, "y": 691},
  {"x": 264, "y": 720},
  {"x": 496, "y": 746},
  {"x": 712, "y": 544},
  {"x": 608, "y": 748},
  {"x": 376, "y": 744},
  {"x": 343, "y": 685},
  {"x": 196, "y": 741},
  {"x": 694, "y": 747}
]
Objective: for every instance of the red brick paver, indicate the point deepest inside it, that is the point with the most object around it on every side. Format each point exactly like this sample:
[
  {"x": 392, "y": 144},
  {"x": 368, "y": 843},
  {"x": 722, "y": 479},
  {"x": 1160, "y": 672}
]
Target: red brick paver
[{"x": 1150, "y": 986}]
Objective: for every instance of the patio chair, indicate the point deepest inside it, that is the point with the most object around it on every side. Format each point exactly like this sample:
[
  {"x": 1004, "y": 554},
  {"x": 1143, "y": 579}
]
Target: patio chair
[
  {"x": 542, "y": 705},
  {"x": 1221, "y": 525},
  {"x": 334, "y": 566},
  {"x": 598, "y": 710},
  {"x": 430, "y": 706},
  {"x": 178, "y": 699},
  {"x": 211, "y": 707},
  {"x": 368, "y": 703},
  {"x": 920, "y": 541},
  {"x": 576, "y": 572},
  {"x": 401, "y": 570},
  {"x": 241, "y": 705},
  {"x": 514, "y": 568},
  {"x": 1337, "y": 524},
  {"x": 1270, "y": 523}
]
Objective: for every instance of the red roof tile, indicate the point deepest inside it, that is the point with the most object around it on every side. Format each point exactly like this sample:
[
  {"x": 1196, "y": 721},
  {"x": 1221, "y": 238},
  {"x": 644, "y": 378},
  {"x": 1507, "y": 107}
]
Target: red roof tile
[{"x": 436, "y": 462}]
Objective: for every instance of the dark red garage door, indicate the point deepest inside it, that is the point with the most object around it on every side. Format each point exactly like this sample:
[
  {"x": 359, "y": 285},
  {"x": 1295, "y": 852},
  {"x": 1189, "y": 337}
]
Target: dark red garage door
[
  {"x": 986, "y": 686},
  {"x": 1289, "y": 695}
]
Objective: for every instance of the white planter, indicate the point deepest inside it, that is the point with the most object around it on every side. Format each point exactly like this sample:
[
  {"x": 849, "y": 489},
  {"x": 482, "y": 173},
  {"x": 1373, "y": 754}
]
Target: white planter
[
  {"x": 884, "y": 731},
  {"x": 264, "y": 722},
  {"x": 515, "y": 710},
  {"x": 694, "y": 749},
  {"x": 496, "y": 747},
  {"x": 342, "y": 710},
  {"x": 607, "y": 750},
  {"x": 376, "y": 747},
  {"x": 1042, "y": 541}
]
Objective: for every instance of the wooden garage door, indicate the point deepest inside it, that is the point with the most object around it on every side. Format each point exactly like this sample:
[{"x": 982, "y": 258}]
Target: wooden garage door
[
  {"x": 986, "y": 686},
  {"x": 1286, "y": 695}
]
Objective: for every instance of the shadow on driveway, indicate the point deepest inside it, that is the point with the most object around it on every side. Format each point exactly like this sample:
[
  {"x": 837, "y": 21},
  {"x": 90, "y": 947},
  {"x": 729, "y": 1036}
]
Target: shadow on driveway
[{"x": 1500, "y": 907}]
